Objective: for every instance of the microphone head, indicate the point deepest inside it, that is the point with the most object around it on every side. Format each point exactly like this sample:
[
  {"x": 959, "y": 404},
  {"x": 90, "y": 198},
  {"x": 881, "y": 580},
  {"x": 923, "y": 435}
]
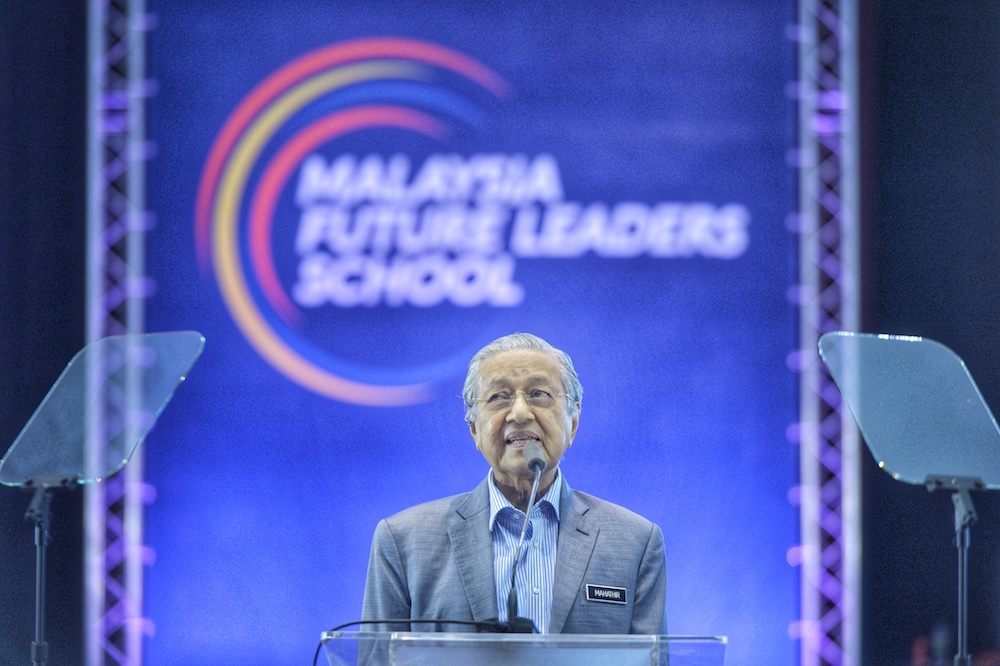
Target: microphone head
[{"x": 533, "y": 457}]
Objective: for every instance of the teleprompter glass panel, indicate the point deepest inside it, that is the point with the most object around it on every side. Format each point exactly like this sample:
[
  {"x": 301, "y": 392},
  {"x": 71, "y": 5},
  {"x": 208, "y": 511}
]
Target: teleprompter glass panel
[
  {"x": 110, "y": 395},
  {"x": 916, "y": 405}
]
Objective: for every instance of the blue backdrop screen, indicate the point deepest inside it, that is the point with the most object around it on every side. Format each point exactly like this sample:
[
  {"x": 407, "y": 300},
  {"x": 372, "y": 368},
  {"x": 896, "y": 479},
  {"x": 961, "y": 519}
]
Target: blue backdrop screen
[{"x": 352, "y": 198}]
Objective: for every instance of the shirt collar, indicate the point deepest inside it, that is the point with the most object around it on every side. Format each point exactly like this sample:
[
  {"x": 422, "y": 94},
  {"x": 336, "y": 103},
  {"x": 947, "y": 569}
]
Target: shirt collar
[{"x": 498, "y": 501}]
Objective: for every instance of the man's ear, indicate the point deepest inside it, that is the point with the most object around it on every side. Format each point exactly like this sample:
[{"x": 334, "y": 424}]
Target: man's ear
[{"x": 576, "y": 424}]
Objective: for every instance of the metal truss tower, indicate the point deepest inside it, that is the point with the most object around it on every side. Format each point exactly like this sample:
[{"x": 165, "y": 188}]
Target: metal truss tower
[
  {"x": 829, "y": 299},
  {"x": 116, "y": 287}
]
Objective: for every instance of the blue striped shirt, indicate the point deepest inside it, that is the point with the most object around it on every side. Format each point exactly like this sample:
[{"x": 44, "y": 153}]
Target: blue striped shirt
[{"x": 537, "y": 566}]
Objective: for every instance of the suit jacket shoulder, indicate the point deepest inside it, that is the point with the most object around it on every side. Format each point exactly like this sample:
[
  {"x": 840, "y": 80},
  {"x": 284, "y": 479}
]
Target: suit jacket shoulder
[
  {"x": 431, "y": 518},
  {"x": 607, "y": 512}
]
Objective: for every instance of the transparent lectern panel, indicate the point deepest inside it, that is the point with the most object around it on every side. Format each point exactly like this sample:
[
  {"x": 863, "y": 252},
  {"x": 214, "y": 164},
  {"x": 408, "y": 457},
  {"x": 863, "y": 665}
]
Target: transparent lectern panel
[
  {"x": 110, "y": 394},
  {"x": 916, "y": 405},
  {"x": 461, "y": 649}
]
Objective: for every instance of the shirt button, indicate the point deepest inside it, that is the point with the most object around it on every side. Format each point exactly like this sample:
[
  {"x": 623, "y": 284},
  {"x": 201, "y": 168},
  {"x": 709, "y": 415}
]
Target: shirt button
[
  {"x": 535, "y": 545},
  {"x": 536, "y": 590}
]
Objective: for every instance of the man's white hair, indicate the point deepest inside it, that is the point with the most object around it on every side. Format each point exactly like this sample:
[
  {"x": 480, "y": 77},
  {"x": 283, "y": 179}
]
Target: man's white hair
[{"x": 513, "y": 342}]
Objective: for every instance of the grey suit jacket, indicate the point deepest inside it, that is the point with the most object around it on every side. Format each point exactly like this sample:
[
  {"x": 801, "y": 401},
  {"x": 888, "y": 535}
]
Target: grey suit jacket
[{"x": 435, "y": 560}]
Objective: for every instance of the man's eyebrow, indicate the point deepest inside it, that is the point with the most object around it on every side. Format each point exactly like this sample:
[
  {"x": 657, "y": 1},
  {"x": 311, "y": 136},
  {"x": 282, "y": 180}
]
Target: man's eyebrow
[{"x": 535, "y": 379}]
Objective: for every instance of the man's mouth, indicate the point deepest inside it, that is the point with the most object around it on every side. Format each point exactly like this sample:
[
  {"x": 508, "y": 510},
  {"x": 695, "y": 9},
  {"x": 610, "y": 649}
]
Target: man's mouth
[{"x": 520, "y": 439}]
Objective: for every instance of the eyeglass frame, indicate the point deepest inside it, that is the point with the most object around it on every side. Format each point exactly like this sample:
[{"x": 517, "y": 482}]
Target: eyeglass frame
[{"x": 507, "y": 404}]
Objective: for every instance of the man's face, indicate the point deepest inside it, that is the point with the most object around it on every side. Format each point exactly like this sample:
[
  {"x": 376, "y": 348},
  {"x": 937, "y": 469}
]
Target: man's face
[{"x": 502, "y": 427}]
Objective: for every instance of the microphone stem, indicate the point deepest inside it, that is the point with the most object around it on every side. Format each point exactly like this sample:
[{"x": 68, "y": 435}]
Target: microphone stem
[{"x": 512, "y": 597}]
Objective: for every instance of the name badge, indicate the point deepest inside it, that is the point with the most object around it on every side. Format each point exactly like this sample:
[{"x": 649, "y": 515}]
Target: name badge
[{"x": 606, "y": 594}]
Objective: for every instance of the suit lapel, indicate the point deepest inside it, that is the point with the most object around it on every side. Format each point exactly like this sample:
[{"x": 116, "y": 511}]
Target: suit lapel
[
  {"x": 468, "y": 530},
  {"x": 577, "y": 538}
]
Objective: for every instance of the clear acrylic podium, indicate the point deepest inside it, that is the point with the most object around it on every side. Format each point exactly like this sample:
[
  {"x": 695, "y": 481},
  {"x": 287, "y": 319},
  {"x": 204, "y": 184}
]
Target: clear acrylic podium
[{"x": 454, "y": 649}]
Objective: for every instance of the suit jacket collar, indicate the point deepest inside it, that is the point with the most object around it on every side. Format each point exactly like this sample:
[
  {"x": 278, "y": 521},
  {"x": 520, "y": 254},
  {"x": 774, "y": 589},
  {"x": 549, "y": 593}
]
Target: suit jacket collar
[
  {"x": 469, "y": 532},
  {"x": 577, "y": 538}
]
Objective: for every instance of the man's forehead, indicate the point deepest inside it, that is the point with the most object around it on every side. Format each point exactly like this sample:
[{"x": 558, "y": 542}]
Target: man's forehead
[{"x": 520, "y": 365}]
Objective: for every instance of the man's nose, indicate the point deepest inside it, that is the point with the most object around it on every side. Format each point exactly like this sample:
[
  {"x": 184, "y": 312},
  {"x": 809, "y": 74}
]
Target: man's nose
[{"x": 520, "y": 410}]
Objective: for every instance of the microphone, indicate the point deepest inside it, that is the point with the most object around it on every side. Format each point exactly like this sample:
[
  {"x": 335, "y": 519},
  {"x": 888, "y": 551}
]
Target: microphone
[
  {"x": 533, "y": 457},
  {"x": 535, "y": 461}
]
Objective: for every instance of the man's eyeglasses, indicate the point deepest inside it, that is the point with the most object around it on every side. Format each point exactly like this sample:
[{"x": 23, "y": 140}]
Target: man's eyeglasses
[{"x": 501, "y": 401}]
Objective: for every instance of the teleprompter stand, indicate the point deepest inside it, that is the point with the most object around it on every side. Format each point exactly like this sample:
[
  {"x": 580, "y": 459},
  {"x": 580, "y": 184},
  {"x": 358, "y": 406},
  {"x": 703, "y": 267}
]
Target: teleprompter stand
[
  {"x": 39, "y": 512},
  {"x": 965, "y": 515},
  {"x": 89, "y": 425},
  {"x": 925, "y": 422}
]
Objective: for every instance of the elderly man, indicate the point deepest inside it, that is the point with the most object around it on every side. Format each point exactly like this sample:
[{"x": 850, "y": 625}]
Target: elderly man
[{"x": 586, "y": 565}]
